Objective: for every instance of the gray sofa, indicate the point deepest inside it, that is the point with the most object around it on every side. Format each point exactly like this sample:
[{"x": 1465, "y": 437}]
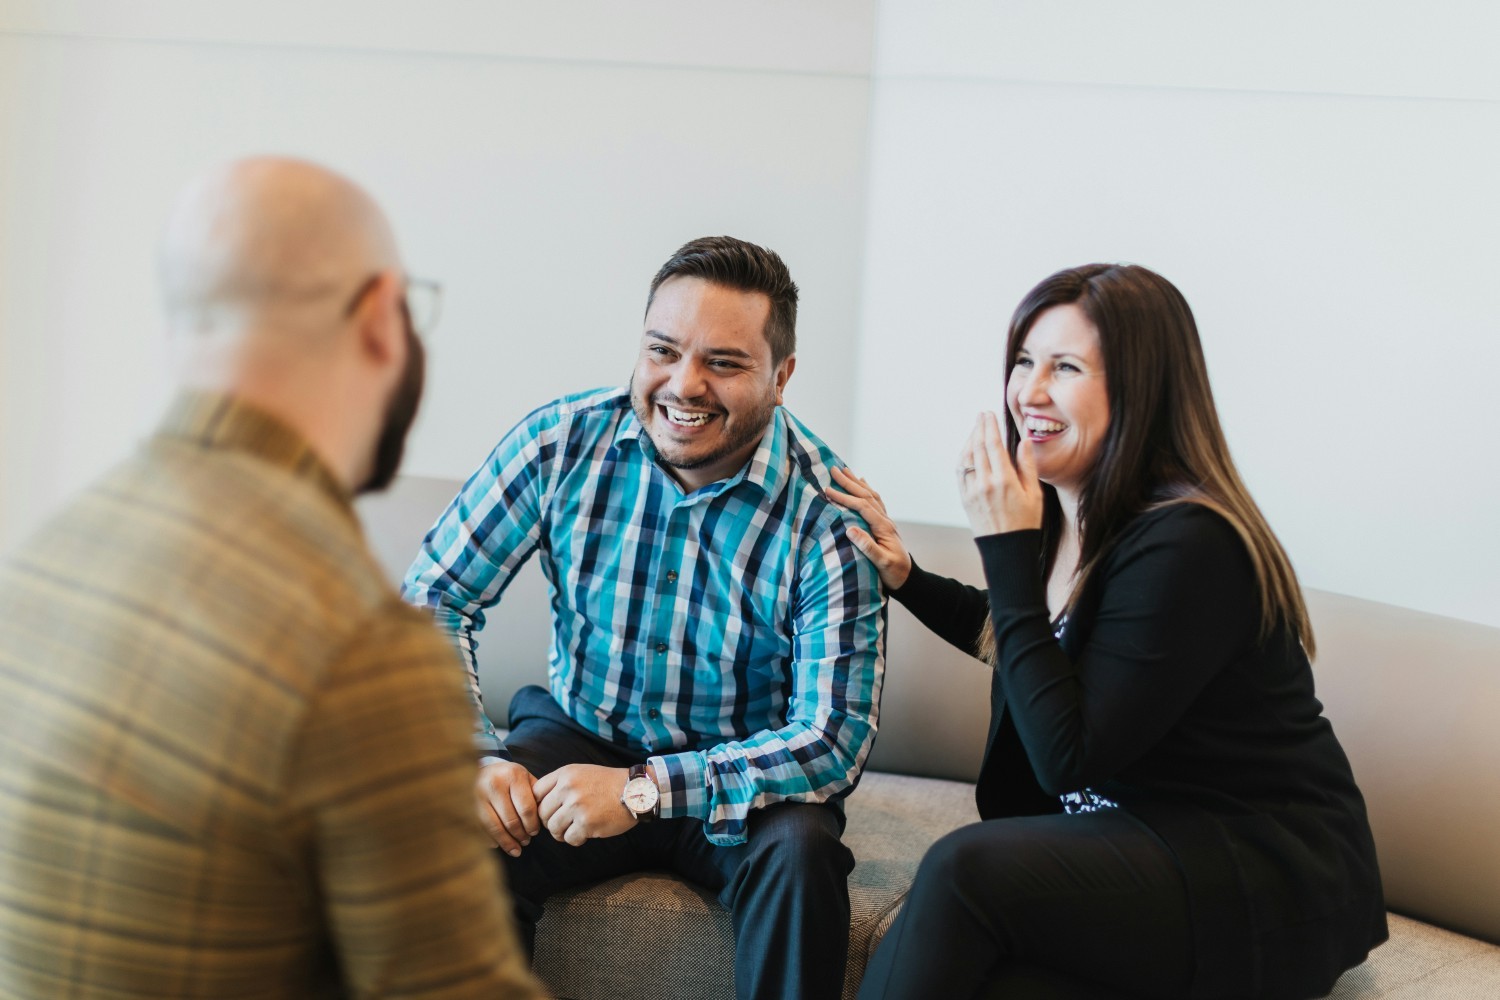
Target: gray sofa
[{"x": 1414, "y": 698}]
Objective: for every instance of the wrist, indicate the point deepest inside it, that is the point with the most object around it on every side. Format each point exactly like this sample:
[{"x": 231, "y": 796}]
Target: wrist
[
  {"x": 899, "y": 573},
  {"x": 640, "y": 795}
]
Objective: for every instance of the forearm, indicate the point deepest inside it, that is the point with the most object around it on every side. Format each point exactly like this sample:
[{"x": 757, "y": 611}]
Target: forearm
[
  {"x": 796, "y": 763},
  {"x": 950, "y": 609}
]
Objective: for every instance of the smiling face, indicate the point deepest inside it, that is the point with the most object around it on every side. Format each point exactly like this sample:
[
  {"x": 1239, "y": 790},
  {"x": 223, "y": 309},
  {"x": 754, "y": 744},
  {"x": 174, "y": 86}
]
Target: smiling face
[
  {"x": 705, "y": 386},
  {"x": 1058, "y": 398}
]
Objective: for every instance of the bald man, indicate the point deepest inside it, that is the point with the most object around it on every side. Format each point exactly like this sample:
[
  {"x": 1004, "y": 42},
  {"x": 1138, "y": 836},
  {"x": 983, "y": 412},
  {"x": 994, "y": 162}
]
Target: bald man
[{"x": 232, "y": 762}]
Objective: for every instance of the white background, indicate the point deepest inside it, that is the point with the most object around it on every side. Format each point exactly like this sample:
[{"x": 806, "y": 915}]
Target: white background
[{"x": 1319, "y": 177}]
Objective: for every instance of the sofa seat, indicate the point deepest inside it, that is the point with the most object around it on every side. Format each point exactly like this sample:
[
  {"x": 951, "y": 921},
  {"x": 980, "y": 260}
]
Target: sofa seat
[
  {"x": 1423, "y": 962},
  {"x": 687, "y": 935},
  {"x": 893, "y": 819}
]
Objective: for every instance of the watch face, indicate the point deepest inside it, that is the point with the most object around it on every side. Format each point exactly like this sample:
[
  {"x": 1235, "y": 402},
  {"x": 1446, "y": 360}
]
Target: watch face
[{"x": 640, "y": 795}]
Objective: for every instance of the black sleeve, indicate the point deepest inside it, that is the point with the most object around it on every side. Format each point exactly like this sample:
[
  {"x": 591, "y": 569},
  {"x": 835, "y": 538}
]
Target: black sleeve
[
  {"x": 1177, "y": 600},
  {"x": 954, "y": 611}
]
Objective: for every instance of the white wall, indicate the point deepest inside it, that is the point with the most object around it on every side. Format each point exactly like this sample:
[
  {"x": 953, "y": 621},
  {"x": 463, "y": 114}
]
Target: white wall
[
  {"x": 1318, "y": 178},
  {"x": 539, "y": 160},
  {"x": 1317, "y": 175}
]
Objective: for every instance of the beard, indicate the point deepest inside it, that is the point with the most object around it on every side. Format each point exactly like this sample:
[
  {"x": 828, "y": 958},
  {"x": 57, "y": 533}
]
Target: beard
[
  {"x": 746, "y": 428},
  {"x": 399, "y": 414}
]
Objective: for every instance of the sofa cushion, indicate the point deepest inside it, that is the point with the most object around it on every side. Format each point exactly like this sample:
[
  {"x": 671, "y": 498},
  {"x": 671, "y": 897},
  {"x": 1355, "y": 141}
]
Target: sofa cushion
[
  {"x": 687, "y": 936},
  {"x": 1412, "y": 697},
  {"x": 1422, "y": 962}
]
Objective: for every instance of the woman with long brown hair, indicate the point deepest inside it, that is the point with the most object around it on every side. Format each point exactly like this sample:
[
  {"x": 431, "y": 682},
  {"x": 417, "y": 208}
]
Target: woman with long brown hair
[{"x": 1165, "y": 810}]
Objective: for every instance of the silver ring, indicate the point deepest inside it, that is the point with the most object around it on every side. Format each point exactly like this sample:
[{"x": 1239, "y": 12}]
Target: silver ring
[{"x": 966, "y": 470}]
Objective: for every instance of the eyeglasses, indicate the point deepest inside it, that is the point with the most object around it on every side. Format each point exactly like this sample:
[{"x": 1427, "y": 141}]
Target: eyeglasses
[{"x": 424, "y": 302}]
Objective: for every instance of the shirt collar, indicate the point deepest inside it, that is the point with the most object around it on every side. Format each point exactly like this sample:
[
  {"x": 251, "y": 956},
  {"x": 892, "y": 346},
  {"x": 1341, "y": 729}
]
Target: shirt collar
[
  {"x": 766, "y": 469},
  {"x": 212, "y": 420}
]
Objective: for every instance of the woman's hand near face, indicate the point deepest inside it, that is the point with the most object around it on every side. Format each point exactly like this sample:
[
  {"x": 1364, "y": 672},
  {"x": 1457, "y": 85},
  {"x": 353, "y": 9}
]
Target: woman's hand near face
[
  {"x": 998, "y": 495},
  {"x": 882, "y": 543}
]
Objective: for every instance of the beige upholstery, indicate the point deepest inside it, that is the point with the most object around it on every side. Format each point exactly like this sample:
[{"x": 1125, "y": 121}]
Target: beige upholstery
[
  {"x": 1415, "y": 698},
  {"x": 893, "y": 819},
  {"x": 1421, "y": 962},
  {"x": 1411, "y": 695}
]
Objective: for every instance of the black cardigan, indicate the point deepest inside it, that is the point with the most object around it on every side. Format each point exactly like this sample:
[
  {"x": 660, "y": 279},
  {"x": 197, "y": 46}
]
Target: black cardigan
[{"x": 1160, "y": 696}]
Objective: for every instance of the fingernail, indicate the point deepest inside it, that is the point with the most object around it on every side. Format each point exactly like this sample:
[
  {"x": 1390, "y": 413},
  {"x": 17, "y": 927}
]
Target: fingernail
[{"x": 515, "y": 852}]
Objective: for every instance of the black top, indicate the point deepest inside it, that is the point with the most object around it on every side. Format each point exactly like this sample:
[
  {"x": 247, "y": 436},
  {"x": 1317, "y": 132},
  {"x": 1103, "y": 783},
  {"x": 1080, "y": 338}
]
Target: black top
[{"x": 1159, "y": 696}]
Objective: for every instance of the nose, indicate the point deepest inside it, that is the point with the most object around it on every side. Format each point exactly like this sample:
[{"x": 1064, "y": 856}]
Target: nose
[
  {"x": 1033, "y": 388},
  {"x": 687, "y": 381}
]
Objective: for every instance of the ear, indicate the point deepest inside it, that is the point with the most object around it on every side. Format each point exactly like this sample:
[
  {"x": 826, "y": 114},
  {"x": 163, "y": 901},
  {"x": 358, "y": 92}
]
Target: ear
[
  {"x": 377, "y": 320},
  {"x": 783, "y": 373}
]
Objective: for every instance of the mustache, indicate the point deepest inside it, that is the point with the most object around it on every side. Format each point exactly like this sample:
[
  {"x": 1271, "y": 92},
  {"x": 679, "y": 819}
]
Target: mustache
[{"x": 668, "y": 399}]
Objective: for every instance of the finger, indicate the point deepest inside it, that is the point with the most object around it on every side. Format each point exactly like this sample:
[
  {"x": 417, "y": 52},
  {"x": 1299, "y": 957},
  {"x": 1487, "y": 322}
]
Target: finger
[
  {"x": 500, "y": 804},
  {"x": 548, "y": 806},
  {"x": 842, "y": 499},
  {"x": 851, "y": 483},
  {"x": 557, "y": 823},
  {"x": 978, "y": 457},
  {"x": 852, "y": 476},
  {"x": 1026, "y": 455},
  {"x": 495, "y": 827},
  {"x": 866, "y": 544},
  {"x": 525, "y": 803},
  {"x": 544, "y": 785},
  {"x": 994, "y": 443},
  {"x": 575, "y": 835},
  {"x": 856, "y": 487}
]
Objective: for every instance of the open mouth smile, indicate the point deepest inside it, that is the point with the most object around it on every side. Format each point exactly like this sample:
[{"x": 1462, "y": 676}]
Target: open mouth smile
[
  {"x": 685, "y": 419},
  {"x": 1042, "y": 428}
]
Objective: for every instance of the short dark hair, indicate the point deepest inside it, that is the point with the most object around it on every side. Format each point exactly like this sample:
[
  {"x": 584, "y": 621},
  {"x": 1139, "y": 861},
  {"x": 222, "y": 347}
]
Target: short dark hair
[{"x": 724, "y": 260}]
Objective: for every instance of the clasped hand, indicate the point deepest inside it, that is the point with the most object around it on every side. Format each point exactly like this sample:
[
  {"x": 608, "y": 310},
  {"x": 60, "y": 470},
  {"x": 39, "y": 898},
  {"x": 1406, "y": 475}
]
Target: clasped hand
[{"x": 575, "y": 803}]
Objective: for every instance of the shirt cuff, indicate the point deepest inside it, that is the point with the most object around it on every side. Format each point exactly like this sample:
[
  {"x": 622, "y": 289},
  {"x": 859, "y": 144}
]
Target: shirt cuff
[
  {"x": 1012, "y": 568},
  {"x": 489, "y": 747},
  {"x": 682, "y": 780}
]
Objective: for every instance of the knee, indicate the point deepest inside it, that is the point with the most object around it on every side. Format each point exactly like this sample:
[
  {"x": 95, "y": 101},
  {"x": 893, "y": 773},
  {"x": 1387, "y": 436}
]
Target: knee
[
  {"x": 798, "y": 838},
  {"x": 955, "y": 858}
]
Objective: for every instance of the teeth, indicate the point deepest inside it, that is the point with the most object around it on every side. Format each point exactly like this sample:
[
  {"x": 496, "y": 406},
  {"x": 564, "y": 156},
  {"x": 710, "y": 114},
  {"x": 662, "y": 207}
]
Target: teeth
[
  {"x": 1042, "y": 425},
  {"x": 690, "y": 419}
]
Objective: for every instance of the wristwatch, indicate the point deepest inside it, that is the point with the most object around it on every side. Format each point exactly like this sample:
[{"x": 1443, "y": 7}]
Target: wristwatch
[{"x": 641, "y": 797}]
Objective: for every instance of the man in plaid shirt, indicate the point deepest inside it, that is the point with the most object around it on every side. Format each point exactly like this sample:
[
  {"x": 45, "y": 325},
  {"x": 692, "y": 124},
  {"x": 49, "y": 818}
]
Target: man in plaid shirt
[{"x": 717, "y": 640}]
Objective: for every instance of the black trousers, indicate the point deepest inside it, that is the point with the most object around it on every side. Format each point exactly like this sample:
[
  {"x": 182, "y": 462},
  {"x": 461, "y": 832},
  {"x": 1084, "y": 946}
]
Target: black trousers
[
  {"x": 1086, "y": 906},
  {"x": 786, "y": 889}
]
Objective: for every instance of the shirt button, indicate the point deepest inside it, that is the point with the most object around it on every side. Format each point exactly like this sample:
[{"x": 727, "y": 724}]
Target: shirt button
[
  {"x": 654, "y": 714},
  {"x": 671, "y": 576},
  {"x": 661, "y": 647}
]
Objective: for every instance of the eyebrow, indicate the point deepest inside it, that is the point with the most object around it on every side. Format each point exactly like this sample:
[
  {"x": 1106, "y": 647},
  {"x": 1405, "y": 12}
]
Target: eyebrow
[
  {"x": 727, "y": 352},
  {"x": 1056, "y": 354}
]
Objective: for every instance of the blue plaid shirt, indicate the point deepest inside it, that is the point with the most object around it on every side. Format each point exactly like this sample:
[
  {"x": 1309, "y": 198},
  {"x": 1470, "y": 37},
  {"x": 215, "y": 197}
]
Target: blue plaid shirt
[{"x": 733, "y": 633}]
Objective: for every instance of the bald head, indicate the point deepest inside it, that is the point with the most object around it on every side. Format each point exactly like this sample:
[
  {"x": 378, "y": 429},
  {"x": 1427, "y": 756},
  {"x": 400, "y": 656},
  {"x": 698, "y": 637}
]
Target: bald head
[{"x": 269, "y": 244}]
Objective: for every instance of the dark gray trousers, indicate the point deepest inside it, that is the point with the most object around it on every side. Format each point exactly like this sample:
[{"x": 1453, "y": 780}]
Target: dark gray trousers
[{"x": 1088, "y": 906}]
